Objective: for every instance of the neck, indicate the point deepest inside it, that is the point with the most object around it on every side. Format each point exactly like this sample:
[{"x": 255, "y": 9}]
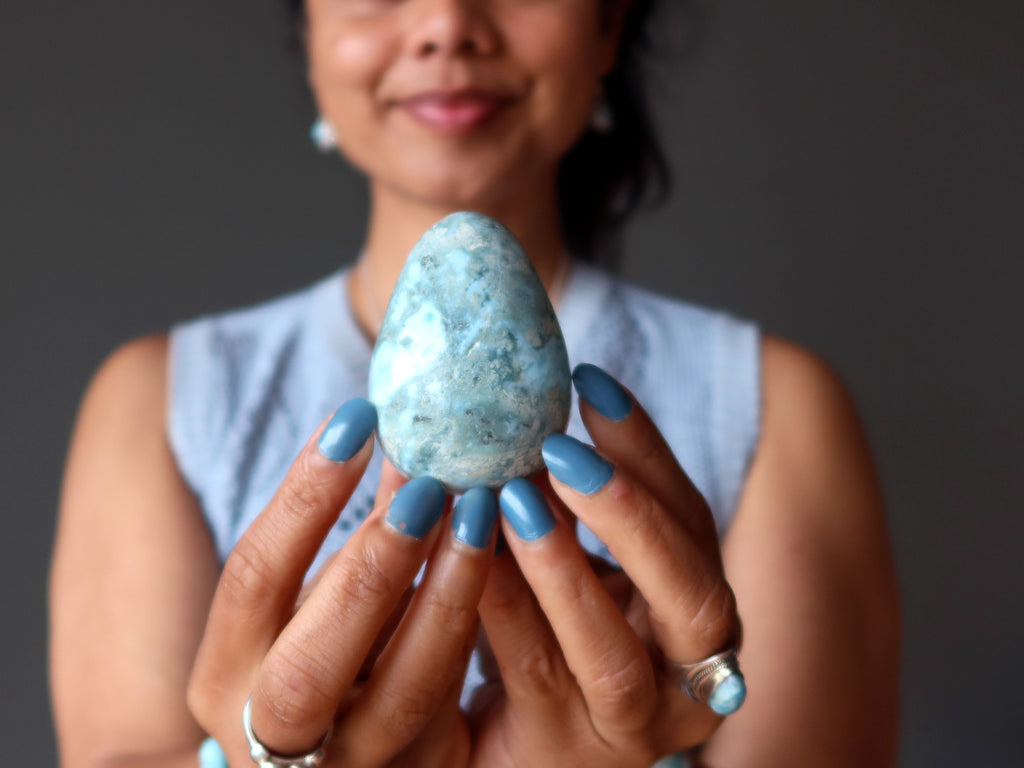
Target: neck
[{"x": 397, "y": 222}]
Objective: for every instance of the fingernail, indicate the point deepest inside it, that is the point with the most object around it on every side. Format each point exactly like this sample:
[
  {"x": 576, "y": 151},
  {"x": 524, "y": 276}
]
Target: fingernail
[
  {"x": 348, "y": 429},
  {"x": 416, "y": 507},
  {"x": 525, "y": 507},
  {"x": 474, "y": 517},
  {"x": 575, "y": 464},
  {"x": 601, "y": 391}
]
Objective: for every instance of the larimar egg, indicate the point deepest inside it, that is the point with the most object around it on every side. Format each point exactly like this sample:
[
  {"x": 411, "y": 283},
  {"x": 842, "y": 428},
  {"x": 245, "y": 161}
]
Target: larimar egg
[{"x": 470, "y": 371}]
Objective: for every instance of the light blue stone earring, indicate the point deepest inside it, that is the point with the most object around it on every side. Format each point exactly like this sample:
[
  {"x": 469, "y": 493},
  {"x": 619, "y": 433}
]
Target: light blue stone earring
[
  {"x": 602, "y": 118},
  {"x": 323, "y": 135}
]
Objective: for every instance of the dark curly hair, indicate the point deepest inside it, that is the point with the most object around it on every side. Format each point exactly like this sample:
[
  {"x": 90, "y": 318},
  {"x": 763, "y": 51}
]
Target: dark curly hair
[{"x": 605, "y": 177}]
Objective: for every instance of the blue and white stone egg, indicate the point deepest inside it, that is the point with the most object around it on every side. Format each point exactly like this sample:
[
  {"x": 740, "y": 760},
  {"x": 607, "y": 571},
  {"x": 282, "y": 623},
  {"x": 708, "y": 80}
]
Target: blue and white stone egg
[{"x": 470, "y": 371}]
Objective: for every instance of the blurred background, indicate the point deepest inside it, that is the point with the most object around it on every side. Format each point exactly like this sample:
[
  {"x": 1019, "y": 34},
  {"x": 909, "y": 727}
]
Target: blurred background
[{"x": 851, "y": 174}]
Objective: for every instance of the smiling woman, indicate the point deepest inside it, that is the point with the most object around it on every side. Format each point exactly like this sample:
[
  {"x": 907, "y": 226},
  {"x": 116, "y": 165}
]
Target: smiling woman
[
  {"x": 603, "y": 173},
  {"x": 709, "y": 473}
]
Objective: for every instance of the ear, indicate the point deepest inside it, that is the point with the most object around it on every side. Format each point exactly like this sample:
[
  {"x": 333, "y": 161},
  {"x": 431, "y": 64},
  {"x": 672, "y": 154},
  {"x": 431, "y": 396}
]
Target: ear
[{"x": 613, "y": 21}]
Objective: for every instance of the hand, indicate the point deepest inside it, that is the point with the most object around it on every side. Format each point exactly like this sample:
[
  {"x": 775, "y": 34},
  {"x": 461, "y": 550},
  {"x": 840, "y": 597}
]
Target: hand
[
  {"x": 582, "y": 681},
  {"x": 307, "y": 656}
]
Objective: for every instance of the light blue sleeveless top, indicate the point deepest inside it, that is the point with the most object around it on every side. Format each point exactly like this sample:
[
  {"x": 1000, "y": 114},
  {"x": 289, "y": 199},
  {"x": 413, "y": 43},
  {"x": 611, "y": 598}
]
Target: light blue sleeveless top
[{"x": 248, "y": 387}]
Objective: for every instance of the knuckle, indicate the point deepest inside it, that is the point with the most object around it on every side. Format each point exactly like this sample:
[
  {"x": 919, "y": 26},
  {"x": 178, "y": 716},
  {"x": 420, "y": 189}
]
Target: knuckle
[
  {"x": 649, "y": 449},
  {"x": 507, "y": 602},
  {"x": 307, "y": 490},
  {"x": 293, "y": 689},
  {"x": 647, "y": 523},
  {"x": 626, "y": 690},
  {"x": 537, "y": 670},
  {"x": 365, "y": 580},
  {"x": 248, "y": 575},
  {"x": 699, "y": 521},
  {"x": 457, "y": 617},
  {"x": 694, "y": 513},
  {"x": 403, "y": 711},
  {"x": 714, "y": 623}
]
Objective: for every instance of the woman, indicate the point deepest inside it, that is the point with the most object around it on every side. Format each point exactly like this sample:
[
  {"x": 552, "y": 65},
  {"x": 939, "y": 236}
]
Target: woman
[{"x": 185, "y": 536}]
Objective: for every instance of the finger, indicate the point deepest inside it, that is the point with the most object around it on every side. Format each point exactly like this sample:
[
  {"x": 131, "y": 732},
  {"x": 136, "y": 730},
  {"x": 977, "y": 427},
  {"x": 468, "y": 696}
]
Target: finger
[
  {"x": 263, "y": 574},
  {"x": 318, "y": 654},
  {"x": 532, "y": 668},
  {"x": 622, "y": 431},
  {"x": 444, "y": 741},
  {"x": 607, "y": 659},
  {"x": 430, "y": 649},
  {"x": 389, "y": 482},
  {"x": 692, "y": 608}
]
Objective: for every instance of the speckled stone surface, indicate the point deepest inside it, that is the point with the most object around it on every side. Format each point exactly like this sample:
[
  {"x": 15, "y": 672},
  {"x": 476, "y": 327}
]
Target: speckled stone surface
[{"x": 470, "y": 371}]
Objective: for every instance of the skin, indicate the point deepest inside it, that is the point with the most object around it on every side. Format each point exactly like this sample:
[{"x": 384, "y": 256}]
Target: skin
[{"x": 153, "y": 645}]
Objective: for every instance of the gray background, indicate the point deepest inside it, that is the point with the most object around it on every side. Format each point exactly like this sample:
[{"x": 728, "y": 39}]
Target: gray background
[{"x": 849, "y": 173}]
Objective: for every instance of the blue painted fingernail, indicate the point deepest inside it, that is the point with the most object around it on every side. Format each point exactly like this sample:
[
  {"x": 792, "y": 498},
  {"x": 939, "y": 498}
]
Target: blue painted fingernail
[
  {"x": 729, "y": 694},
  {"x": 474, "y": 517},
  {"x": 211, "y": 755},
  {"x": 525, "y": 507},
  {"x": 416, "y": 507},
  {"x": 575, "y": 463},
  {"x": 348, "y": 429},
  {"x": 603, "y": 392}
]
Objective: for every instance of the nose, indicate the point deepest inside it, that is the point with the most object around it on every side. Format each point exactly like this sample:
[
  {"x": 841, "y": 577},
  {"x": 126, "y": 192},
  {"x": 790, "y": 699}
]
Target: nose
[{"x": 453, "y": 28}]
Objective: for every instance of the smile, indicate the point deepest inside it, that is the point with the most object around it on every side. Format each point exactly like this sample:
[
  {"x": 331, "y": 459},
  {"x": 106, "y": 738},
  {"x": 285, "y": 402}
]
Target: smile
[{"x": 454, "y": 113}]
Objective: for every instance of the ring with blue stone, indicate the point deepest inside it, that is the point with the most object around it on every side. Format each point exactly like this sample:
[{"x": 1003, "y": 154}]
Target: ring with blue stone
[{"x": 715, "y": 681}]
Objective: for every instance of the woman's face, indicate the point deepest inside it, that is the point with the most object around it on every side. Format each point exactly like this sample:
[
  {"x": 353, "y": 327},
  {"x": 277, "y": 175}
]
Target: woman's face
[{"x": 457, "y": 102}]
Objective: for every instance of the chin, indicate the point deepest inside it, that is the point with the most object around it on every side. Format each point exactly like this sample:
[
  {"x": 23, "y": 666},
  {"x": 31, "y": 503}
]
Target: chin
[{"x": 459, "y": 189}]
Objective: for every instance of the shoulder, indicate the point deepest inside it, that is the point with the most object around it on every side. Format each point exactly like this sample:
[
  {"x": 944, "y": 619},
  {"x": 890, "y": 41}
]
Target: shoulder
[
  {"x": 129, "y": 386},
  {"x": 122, "y": 416},
  {"x": 791, "y": 370},
  {"x": 813, "y": 443},
  {"x": 119, "y": 440}
]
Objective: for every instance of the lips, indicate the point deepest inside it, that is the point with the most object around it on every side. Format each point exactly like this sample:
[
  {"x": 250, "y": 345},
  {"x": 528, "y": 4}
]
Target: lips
[{"x": 455, "y": 112}]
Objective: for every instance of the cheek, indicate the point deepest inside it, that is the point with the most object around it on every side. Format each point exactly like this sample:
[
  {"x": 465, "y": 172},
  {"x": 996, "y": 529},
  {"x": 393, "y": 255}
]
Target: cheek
[
  {"x": 338, "y": 58},
  {"x": 568, "y": 73},
  {"x": 344, "y": 63},
  {"x": 347, "y": 63},
  {"x": 360, "y": 55}
]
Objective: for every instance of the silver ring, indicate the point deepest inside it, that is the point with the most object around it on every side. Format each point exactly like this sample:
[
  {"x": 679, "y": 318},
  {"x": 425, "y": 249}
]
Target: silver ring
[
  {"x": 715, "y": 681},
  {"x": 264, "y": 758}
]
